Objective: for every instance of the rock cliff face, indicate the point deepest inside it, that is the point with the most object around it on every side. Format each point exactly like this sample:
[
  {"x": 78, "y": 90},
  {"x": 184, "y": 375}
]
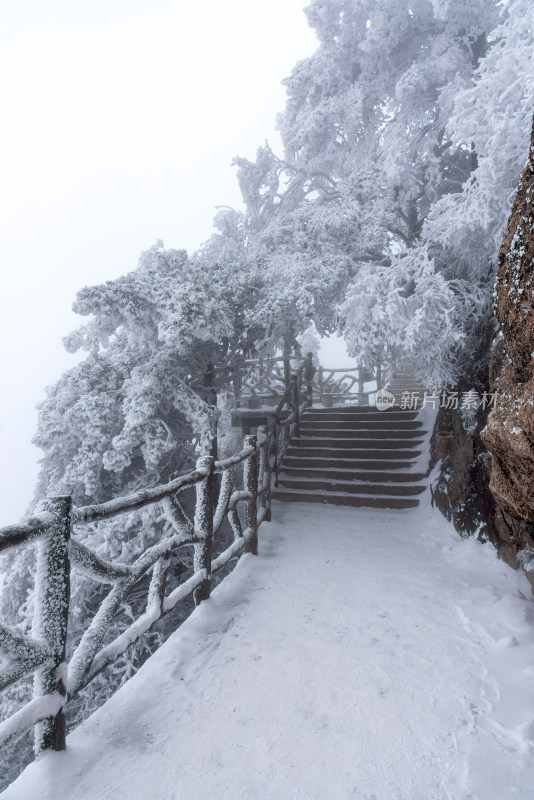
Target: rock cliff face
[
  {"x": 509, "y": 433},
  {"x": 460, "y": 490}
]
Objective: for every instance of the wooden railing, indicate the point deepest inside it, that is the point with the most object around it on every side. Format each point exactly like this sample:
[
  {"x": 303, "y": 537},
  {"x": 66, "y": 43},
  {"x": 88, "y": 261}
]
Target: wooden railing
[
  {"x": 43, "y": 654},
  {"x": 264, "y": 380}
]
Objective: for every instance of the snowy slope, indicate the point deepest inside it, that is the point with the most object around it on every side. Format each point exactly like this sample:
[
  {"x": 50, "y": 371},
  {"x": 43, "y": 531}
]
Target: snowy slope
[{"x": 364, "y": 654}]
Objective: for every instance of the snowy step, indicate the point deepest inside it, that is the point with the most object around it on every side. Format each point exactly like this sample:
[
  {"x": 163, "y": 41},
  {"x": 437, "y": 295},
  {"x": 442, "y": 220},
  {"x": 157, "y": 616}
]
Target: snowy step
[
  {"x": 361, "y": 418},
  {"x": 395, "y": 385},
  {"x": 416, "y": 387},
  {"x": 354, "y": 456},
  {"x": 405, "y": 382},
  {"x": 353, "y": 443},
  {"x": 408, "y": 387},
  {"x": 351, "y": 474},
  {"x": 365, "y": 433},
  {"x": 397, "y": 392},
  {"x": 367, "y": 461},
  {"x": 384, "y": 422},
  {"x": 344, "y": 499},
  {"x": 355, "y": 453},
  {"x": 351, "y": 487}
]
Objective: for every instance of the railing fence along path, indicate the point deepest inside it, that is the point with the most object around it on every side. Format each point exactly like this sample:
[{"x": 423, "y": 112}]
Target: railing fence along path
[
  {"x": 58, "y": 552},
  {"x": 265, "y": 378}
]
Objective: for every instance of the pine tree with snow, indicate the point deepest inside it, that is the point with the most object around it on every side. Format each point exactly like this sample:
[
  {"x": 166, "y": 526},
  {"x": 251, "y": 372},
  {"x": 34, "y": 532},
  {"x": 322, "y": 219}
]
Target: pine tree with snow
[{"x": 384, "y": 150}]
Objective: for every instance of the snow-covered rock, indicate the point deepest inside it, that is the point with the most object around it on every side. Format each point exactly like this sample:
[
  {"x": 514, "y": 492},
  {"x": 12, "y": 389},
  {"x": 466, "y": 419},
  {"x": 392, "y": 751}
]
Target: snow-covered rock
[{"x": 509, "y": 433}]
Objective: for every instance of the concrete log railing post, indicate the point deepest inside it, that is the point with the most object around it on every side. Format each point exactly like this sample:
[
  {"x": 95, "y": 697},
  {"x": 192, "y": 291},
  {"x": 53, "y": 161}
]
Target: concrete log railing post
[
  {"x": 52, "y": 598},
  {"x": 205, "y": 490},
  {"x": 273, "y": 456},
  {"x": 250, "y": 480},
  {"x": 264, "y": 479},
  {"x": 294, "y": 400},
  {"x": 321, "y": 383}
]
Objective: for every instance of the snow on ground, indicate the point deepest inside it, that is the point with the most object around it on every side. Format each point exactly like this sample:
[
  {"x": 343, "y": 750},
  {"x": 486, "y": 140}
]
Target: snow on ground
[{"x": 364, "y": 654}]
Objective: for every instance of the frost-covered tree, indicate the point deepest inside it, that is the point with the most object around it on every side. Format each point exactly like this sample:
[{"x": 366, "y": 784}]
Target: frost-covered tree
[
  {"x": 409, "y": 309},
  {"x": 238, "y": 285},
  {"x": 293, "y": 250},
  {"x": 310, "y": 342},
  {"x": 131, "y": 411},
  {"x": 448, "y": 271},
  {"x": 492, "y": 115},
  {"x": 463, "y": 230},
  {"x": 370, "y": 150},
  {"x": 138, "y": 409}
]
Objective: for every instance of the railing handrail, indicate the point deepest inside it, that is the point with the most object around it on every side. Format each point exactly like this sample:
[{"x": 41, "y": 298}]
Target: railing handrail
[
  {"x": 43, "y": 653},
  {"x": 12, "y": 535},
  {"x": 258, "y": 381}
]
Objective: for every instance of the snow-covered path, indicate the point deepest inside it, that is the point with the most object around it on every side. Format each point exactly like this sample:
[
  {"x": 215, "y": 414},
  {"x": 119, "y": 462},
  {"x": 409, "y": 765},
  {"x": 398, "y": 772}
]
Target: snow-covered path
[{"x": 363, "y": 654}]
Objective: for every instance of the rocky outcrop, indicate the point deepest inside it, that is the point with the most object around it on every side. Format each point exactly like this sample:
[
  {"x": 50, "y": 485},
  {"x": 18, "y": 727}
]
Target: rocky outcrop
[
  {"x": 509, "y": 433},
  {"x": 460, "y": 490}
]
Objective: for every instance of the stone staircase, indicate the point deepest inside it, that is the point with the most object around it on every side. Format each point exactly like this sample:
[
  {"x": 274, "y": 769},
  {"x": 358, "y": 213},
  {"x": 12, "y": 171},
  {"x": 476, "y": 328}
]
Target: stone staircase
[
  {"x": 355, "y": 456},
  {"x": 404, "y": 383}
]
